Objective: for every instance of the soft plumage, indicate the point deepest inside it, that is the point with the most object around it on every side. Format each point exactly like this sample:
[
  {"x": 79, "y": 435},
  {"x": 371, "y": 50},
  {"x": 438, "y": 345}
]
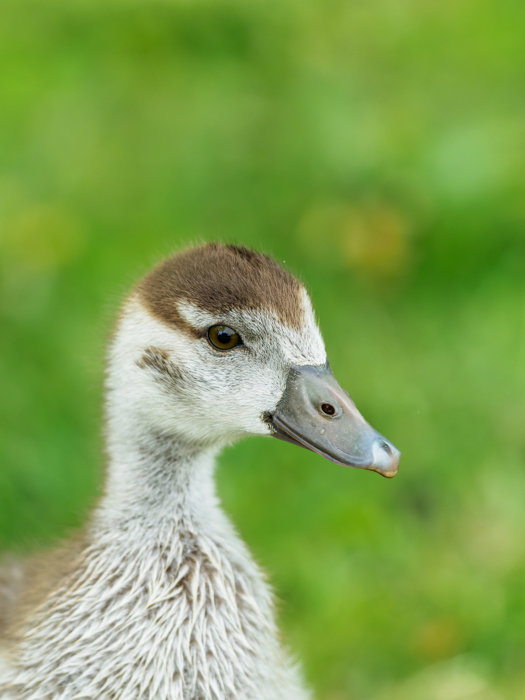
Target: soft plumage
[{"x": 159, "y": 598}]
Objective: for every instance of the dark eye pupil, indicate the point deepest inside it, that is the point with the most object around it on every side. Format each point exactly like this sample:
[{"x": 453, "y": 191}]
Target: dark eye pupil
[{"x": 224, "y": 337}]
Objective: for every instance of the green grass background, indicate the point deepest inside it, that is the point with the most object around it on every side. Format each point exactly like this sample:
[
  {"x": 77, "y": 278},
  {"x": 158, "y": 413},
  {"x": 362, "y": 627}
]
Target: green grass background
[{"x": 377, "y": 149}]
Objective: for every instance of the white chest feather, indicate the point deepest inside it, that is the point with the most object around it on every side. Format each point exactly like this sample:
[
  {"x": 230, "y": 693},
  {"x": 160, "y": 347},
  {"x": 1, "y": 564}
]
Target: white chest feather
[{"x": 156, "y": 613}]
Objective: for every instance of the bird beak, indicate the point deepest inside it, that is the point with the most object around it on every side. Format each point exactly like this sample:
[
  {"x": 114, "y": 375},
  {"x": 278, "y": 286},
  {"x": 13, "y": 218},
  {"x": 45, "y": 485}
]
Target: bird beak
[{"x": 316, "y": 413}]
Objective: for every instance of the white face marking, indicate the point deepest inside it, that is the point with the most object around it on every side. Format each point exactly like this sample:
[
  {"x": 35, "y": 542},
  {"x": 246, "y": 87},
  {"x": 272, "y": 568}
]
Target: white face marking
[
  {"x": 219, "y": 396},
  {"x": 302, "y": 346}
]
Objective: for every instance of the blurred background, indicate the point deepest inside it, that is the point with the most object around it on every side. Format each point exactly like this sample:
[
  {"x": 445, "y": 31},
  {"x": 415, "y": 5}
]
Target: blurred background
[{"x": 375, "y": 148}]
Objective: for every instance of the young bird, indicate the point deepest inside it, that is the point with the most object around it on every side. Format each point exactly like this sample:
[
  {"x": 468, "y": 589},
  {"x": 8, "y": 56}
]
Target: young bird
[{"x": 159, "y": 598}]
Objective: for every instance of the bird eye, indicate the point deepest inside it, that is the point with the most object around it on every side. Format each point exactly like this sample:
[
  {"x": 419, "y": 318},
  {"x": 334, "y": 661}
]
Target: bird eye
[{"x": 223, "y": 337}]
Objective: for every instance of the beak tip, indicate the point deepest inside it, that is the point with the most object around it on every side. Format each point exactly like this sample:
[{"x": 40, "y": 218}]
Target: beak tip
[
  {"x": 388, "y": 474},
  {"x": 386, "y": 458}
]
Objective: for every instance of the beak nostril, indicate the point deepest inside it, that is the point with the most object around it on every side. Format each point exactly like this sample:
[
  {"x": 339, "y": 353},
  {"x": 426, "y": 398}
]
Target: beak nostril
[
  {"x": 386, "y": 447},
  {"x": 328, "y": 409}
]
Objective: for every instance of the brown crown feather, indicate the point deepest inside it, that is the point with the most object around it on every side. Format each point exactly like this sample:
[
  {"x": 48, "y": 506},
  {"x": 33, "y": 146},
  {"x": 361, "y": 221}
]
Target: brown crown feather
[{"x": 218, "y": 278}]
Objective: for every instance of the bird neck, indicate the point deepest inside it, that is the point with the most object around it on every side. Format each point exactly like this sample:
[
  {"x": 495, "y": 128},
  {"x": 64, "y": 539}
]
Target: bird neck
[{"x": 153, "y": 475}]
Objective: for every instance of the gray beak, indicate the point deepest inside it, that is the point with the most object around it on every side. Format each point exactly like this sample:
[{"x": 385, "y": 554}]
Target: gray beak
[{"x": 316, "y": 413}]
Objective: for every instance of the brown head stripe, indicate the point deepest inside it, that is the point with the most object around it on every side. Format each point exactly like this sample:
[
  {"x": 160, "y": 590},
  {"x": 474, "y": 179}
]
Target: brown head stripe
[{"x": 218, "y": 278}]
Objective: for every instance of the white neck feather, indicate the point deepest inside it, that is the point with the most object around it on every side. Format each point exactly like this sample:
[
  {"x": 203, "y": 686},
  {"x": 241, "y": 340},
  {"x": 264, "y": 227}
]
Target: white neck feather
[{"x": 154, "y": 474}]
